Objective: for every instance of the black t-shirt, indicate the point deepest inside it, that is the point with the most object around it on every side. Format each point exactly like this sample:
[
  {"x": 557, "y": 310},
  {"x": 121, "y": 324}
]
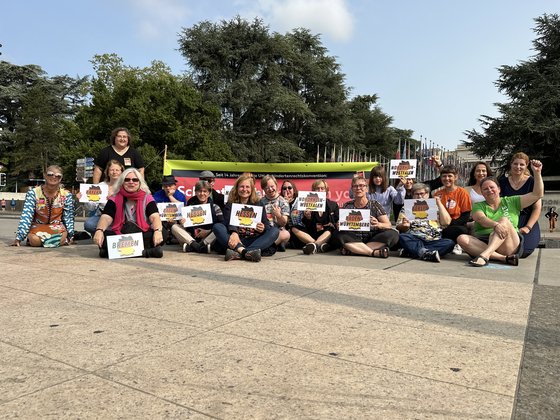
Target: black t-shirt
[{"x": 130, "y": 159}]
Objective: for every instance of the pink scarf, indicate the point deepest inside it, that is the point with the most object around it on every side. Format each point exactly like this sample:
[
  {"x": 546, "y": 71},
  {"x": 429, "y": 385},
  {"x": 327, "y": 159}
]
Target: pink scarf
[{"x": 120, "y": 218}]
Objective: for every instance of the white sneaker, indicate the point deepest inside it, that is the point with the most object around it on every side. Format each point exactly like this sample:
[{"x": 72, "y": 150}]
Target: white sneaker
[{"x": 457, "y": 250}]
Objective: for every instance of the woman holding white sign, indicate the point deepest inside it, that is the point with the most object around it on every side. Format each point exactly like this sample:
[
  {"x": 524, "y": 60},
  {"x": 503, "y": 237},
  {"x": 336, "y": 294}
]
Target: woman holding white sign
[
  {"x": 112, "y": 172},
  {"x": 317, "y": 227},
  {"x": 198, "y": 238},
  {"x": 241, "y": 234},
  {"x": 374, "y": 242},
  {"x": 131, "y": 209}
]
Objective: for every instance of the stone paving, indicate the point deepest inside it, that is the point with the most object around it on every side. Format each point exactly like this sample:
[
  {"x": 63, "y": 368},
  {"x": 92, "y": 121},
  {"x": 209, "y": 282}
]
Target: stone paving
[{"x": 295, "y": 336}]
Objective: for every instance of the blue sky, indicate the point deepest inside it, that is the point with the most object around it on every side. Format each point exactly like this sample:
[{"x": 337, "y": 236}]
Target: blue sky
[{"x": 432, "y": 63}]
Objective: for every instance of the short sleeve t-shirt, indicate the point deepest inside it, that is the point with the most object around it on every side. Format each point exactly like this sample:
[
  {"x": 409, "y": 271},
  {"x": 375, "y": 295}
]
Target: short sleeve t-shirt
[
  {"x": 456, "y": 202},
  {"x": 268, "y": 204},
  {"x": 130, "y": 159},
  {"x": 510, "y": 207}
]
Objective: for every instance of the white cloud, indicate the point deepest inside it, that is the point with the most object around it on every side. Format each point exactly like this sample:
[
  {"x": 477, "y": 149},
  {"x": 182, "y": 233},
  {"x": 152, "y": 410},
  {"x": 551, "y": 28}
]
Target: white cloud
[
  {"x": 328, "y": 17},
  {"x": 159, "y": 18}
]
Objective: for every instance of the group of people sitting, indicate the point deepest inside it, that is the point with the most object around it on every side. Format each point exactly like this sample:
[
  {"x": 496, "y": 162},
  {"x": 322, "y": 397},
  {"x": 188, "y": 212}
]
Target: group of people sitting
[{"x": 494, "y": 220}]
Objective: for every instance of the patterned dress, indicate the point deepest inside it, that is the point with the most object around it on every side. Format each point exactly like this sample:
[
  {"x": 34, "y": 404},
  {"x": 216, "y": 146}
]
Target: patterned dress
[{"x": 45, "y": 217}]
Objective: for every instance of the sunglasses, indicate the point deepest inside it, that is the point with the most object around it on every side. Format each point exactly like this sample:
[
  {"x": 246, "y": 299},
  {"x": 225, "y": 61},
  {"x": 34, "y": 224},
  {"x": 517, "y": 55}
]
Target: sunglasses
[
  {"x": 287, "y": 188},
  {"x": 131, "y": 180},
  {"x": 59, "y": 176},
  {"x": 207, "y": 179}
]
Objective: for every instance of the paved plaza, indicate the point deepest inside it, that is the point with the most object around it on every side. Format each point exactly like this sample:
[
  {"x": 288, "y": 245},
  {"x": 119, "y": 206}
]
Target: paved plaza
[{"x": 293, "y": 337}]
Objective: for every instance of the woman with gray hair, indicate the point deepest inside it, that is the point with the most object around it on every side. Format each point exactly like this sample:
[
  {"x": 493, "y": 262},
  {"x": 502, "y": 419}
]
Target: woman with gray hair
[
  {"x": 421, "y": 238},
  {"x": 131, "y": 209},
  {"x": 199, "y": 238}
]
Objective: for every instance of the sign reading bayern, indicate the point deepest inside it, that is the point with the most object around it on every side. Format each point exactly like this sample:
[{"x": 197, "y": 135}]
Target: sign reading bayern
[{"x": 337, "y": 174}]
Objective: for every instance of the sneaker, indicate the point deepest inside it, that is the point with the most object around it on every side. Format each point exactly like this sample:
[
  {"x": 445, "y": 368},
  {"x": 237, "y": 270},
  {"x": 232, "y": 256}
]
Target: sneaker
[
  {"x": 281, "y": 248},
  {"x": 403, "y": 253},
  {"x": 232, "y": 255},
  {"x": 187, "y": 247},
  {"x": 457, "y": 250},
  {"x": 432, "y": 256},
  {"x": 310, "y": 248},
  {"x": 253, "y": 255},
  {"x": 324, "y": 248},
  {"x": 202, "y": 248}
]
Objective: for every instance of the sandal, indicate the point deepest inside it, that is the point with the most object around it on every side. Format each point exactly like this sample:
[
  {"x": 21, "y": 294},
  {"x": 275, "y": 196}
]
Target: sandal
[
  {"x": 382, "y": 252},
  {"x": 512, "y": 260},
  {"x": 474, "y": 262}
]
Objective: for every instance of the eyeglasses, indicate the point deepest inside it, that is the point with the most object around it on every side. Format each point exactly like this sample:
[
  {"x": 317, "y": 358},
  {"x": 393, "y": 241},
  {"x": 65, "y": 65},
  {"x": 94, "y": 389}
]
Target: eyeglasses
[
  {"x": 59, "y": 176},
  {"x": 131, "y": 180},
  {"x": 287, "y": 188},
  {"x": 360, "y": 186}
]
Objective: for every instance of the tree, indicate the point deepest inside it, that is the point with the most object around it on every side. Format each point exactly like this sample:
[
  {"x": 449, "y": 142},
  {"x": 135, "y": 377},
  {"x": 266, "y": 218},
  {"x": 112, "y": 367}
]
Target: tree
[
  {"x": 158, "y": 108},
  {"x": 34, "y": 109},
  {"x": 280, "y": 95},
  {"x": 530, "y": 121}
]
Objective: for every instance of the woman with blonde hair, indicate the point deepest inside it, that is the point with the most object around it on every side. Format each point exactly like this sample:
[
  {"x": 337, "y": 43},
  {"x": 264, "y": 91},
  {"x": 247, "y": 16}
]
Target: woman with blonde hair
[
  {"x": 131, "y": 209},
  {"x": 47, "y": 218},
  {"x": 112, "y": 173},
  {"x": 244, "y": 242}
]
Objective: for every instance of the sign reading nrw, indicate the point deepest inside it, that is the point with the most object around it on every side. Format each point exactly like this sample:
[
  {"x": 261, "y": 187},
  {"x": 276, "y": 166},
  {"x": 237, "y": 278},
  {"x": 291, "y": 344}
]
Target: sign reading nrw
[
  {"x": 402, "y": 168},
  {"x": 354, "y": 220},
  {"x": 244, "y": 215},
  {"x": 125, "y": 246},
  {"x": 312, "y": 200}
]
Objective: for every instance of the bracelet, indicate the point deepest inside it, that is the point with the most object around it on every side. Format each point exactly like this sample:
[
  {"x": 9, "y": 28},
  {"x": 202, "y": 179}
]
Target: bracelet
[
  {"x": 157, "y": 230},
  {"x": 440, "y": 165},
  {"x": 102, "y": 230},
  {"x": 528, "y": 227}
]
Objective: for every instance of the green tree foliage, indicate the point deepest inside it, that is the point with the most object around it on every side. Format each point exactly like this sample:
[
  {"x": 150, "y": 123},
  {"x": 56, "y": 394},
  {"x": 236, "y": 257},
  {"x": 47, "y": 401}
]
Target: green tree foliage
[
  {"x": 530, "y": 121},
  {"x": 157, "y": 107},
  {"x": 34, "y": 112},
  {"x": 374, "y": 132},
  {"x": 280, "y": 95}
]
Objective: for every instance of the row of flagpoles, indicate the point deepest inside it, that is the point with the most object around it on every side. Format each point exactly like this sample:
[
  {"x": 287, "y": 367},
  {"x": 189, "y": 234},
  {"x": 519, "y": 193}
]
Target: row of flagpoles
[{"x": 423, "y": 151}]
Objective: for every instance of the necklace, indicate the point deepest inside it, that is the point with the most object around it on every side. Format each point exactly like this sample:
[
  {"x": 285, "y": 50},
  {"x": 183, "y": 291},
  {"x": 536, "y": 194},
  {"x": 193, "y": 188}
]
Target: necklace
[{"x": 516, "y": 184}]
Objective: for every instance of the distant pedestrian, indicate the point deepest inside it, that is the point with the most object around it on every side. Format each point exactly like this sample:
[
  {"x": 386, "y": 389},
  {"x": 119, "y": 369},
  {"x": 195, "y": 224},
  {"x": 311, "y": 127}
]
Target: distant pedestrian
[
  {"x": 13, "y": 204},
  {"x": 552, "y": 217},
  {"x": 3, "y": 205}
]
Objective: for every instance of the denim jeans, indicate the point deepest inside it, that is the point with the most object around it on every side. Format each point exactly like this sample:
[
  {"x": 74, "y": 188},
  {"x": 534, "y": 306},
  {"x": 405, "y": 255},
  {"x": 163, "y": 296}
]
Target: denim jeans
[
  {"x": 415, "y": 246},
  {"x": 91, "y": 224},
  {"x": 262, "y": 241}
]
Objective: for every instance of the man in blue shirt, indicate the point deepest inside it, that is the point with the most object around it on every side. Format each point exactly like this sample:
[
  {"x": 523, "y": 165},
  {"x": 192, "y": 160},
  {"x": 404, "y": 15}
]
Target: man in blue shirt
[{"x": 169, "y": 194}]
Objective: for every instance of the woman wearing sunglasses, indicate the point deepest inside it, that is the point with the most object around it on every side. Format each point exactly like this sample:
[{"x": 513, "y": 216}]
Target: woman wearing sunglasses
[
  {"x": 290, "y": 193},
  {"x": 47, "y": 218},
  {"x": 131, "y": 209}
]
